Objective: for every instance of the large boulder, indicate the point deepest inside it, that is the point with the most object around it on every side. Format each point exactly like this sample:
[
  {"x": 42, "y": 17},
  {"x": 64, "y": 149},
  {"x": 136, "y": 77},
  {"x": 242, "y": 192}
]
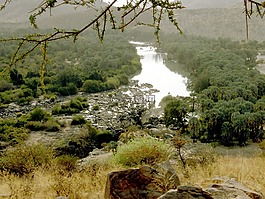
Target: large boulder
[
  {"x": 144, "y": 182},
  {"x": 186, "y": 192},
  {"x": 221, "y": 188},
  {"x": 232, "y": 189}
]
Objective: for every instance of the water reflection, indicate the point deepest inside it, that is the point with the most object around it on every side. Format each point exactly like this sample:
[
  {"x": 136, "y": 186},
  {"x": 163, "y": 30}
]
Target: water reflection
[{"x": 155, "y": 72}]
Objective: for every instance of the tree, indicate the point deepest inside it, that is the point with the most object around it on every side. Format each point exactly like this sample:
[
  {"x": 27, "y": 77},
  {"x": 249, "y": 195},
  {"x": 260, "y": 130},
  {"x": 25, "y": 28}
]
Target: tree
[{"x": 175, "y": 113}]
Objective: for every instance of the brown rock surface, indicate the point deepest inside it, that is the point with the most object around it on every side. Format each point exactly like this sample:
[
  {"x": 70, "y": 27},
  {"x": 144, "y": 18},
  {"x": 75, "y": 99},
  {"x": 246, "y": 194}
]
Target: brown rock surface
[
  {"x": 143, "y": 183},
  {"x": 232, "y": 189},
  {"x": 186, "y": 192}
]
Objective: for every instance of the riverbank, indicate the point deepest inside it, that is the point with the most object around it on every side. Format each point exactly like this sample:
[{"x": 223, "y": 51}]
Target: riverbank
[{"x": 155, "y": 72}]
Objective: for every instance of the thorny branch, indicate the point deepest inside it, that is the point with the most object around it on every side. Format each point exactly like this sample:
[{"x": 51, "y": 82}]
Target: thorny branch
[{"x": 251, "y": 7}]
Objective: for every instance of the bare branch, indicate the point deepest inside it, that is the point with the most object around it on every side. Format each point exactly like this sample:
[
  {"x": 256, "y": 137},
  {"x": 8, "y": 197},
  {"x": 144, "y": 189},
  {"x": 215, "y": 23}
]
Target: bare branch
[{"x": 4, "y": 4}]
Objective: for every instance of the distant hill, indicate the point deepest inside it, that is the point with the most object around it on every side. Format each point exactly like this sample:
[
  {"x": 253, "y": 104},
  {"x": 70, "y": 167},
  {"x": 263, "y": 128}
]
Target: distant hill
[
  {"x": 195, "y": 4},
  {"x": 18, "y": 11},
  {"x": 219, "y": 22},
  {"x": 210, "y": 22}
]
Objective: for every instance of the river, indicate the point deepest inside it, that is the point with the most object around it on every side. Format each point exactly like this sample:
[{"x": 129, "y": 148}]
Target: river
[{"x": 155, "y": 72}]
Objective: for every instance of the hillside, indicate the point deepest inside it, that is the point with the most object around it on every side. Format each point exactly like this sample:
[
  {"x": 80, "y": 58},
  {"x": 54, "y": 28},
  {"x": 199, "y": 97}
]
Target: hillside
[
  {"x": 191, "y": 4},
  {"x": 219, "y": 22},
  {"x": 209, "y": 21}
]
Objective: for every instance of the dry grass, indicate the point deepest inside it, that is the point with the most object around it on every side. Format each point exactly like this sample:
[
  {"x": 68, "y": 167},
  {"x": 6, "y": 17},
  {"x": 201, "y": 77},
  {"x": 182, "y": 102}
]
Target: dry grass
[
  {"x": 48, "y": 184},
  {"x": 248, "y": 171},
  {"x": 90, "y": 183}
]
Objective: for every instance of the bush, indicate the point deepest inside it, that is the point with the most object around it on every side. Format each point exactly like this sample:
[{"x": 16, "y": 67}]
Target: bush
[
  {"x": 57, "y": 109},
  {"x": 12, "y": 135},
  {"x": 201, "y": 155},
  {"x": 38, "y": 114},
  {"x": 95, "y": 107},
  {"x": 35, "y": 126},
  {"x": 74, "y": 106},
  {"x": 66, "y": 162},
  {"x": 70, "y": 89},
  {"x": 113, "y": 83},
  {"x": 26, "y": 159},
  {"x": 4, "y": 85},
  {"x": 124, "y": 79},
  {"x": 144, "y": 150},
  {"x": 104, "y": 137},
  {"x": 79, "y": 145},
  {"x": 78, "y": 120},
  {"x": 50, "y": 126},
  {"x": 92, "y": 86}
]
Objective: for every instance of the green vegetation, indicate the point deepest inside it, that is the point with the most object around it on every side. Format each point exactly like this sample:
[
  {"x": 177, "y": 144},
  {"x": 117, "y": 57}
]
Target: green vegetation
[
  {"x": 78, "y": 120},
  {"x": 143, "y": 150},
  {"x": 75, "y": 105},
  {"x": 79, "y": 66},
  {"x": 81, "y": 144},
  {"x": 228, "y": 92},
  {"x": 25, "y": 159}
]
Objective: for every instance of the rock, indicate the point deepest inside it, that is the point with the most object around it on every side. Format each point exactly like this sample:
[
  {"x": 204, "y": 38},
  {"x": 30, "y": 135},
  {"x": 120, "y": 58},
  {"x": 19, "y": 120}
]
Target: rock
[
  {"x": 146, "y": 182},
  {"x": 232, "y": 189},
  {"x": 62, "y": 197},
  {"x": 186, "y": 192},
  {"x": 97, "y": 152}
]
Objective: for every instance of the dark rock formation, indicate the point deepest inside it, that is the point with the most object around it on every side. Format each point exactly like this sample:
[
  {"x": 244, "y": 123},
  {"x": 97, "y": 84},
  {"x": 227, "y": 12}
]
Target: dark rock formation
[
  {"x": 232, "y": 189},
  {"x": 162, "y": 182},
  {"x": 145, "y": 182},
  {"x": 186, "y": 192}
]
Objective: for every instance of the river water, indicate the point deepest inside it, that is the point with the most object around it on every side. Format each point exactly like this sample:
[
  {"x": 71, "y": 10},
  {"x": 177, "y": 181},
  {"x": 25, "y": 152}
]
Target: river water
[{"x": 155, "y": 72}]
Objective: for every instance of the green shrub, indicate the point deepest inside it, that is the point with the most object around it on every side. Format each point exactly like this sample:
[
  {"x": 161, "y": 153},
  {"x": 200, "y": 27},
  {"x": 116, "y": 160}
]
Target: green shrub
[
  {"x": 92, "y": 86},
  {"x": 57, "y": 109},
  {"x": 35, "y": 126},
  {"x": 124, "y": 79},
  {"x": 38, "y": 114},
  {"x": 104, "y": 137},
  {"x": 12, "y": 135},
  {"x": 96, "y": 107},
  {"x": 66, "y": 162},
  {"x": 79, "y": 145},
  {"x": 25, "y": 159},
  {"x": 4, "y": 85},
  {"x": 50, "y": 126},
  {"x": 143, "y": 150},
  {"x": 74, "y": 106},
  {"x": 70, "y": 89},
  {"x": 78, "y": 120},
  {"x": 112, "y": 83}
]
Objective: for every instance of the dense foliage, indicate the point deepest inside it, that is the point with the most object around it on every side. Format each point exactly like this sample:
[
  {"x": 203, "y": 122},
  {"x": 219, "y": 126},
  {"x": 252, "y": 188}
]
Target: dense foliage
[
  {"x": 228, "y": 92},
  {"x": 86, "y": 65}
]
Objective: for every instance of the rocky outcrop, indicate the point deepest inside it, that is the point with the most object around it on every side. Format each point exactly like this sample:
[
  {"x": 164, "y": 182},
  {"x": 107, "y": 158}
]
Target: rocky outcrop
[
  {"x": 187, "y": 192},
  {"x": 162, "y": 182},
  {"x": 146, "y": 182},
  {"x": 232, "y": 189}
]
